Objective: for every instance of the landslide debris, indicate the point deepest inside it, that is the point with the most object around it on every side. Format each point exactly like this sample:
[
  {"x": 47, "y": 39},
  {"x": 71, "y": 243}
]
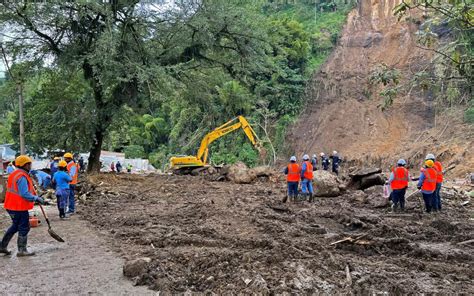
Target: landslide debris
[{"x": 187, "y": 234}]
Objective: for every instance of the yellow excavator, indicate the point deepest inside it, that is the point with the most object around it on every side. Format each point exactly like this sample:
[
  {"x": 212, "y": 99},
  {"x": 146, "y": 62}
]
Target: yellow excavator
[{"x": 183, "y": 163}]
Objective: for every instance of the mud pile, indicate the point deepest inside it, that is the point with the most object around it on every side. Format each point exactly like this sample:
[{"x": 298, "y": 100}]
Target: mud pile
[{"x": 184, "y": 233}]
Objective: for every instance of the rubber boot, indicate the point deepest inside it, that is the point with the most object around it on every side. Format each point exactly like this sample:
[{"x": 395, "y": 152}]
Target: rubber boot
[
  {"x": 285, "y": 198},
  {"x": 22, "y": 247},
  {"x": 311, "y": 197},
  {"x": 4, "y": 244}
]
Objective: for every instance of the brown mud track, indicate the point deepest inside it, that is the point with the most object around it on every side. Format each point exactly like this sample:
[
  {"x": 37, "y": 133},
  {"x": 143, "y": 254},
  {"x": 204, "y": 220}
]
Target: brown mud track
[{"x": 221, "y": 237}]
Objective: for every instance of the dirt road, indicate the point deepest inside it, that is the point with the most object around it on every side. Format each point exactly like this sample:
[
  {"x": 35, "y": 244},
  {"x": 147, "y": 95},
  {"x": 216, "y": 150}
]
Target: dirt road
[
  {"x": 203, "y": 236},
  {"x": 82, "y": 265}
]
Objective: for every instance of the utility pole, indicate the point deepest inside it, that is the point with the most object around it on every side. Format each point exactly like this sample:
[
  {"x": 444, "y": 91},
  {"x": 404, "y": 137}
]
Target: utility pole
[{"x": 19, "y": 90}]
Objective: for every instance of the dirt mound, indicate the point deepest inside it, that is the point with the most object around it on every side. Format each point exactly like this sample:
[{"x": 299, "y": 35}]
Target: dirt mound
[
  {"x": 343, "y": 111},
  {"x": 186, "y": 234}
]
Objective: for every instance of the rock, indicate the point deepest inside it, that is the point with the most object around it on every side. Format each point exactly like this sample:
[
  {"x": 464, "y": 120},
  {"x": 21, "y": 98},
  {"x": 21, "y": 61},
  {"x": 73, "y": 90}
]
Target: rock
[
  {"x": 239, "y": 173},
  {"x": 364, "y": 172},
  {"x": 358, "y": 196},
  {"x": 375, "y": 197},
  {"x": 371, "y": 180},
  {"x": 135, "y": 267},
  {"x": 262, "y": 171},
  {"x": 326, "y": 184}
]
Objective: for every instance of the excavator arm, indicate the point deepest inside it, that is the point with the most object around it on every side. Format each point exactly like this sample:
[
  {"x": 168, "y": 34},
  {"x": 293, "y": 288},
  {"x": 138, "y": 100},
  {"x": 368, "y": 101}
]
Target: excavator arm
[{"x": 201, "y": 158}]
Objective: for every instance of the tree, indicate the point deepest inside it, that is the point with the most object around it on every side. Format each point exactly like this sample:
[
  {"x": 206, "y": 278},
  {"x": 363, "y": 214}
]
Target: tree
[{"x": 122, "y": 47}]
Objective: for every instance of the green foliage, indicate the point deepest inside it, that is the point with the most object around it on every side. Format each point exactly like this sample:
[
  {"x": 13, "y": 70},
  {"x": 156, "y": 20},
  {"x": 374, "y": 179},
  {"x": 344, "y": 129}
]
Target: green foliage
[
  {"x": 469, "y": 115},
  {"x": 134, "y": 151},
  {"x": 389, "y": 78}
]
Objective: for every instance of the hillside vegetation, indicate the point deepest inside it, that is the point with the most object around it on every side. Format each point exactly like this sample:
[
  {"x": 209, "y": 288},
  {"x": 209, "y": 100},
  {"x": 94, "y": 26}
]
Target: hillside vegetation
[{"x": 159, "y": 95}]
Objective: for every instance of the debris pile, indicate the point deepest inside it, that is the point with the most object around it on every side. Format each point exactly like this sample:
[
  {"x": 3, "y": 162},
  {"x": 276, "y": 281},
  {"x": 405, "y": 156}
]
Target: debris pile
[{"x": 365, "y": 178}]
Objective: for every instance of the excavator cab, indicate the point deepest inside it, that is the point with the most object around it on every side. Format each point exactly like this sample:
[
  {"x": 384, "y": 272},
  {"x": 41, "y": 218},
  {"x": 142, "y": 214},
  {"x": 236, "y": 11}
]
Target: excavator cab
[{"x": 186, "y": 162}]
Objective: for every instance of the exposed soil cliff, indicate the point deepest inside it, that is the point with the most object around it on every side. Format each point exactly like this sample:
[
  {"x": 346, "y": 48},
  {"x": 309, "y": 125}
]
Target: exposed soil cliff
[{"x": 344, "y": 110}]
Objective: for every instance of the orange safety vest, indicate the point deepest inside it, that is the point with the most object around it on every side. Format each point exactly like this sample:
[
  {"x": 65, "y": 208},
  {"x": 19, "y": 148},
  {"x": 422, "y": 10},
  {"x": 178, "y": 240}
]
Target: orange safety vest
[
  {"x": 400, "y": 180},
  {"x": 439, "y": 170},
  {"x": 308, "y": 174},
  {"x": 13, "y": 200},
  {"x": 294, "y": 172},
  {"x": 429, "y": 183},
  {"x": 74, "y": 178}
]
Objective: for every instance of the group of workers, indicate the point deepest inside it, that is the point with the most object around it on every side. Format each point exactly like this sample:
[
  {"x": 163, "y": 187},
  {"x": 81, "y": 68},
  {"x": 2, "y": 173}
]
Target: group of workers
[
  {"x": 429, "y": 183},
  {"x": 21, "y": 195},
  {"x": 304, "y": 173}
]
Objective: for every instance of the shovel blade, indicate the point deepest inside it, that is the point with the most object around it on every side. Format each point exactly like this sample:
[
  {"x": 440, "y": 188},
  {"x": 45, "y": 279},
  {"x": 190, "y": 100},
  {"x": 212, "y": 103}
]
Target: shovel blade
[{"x": 55, "y": 235}]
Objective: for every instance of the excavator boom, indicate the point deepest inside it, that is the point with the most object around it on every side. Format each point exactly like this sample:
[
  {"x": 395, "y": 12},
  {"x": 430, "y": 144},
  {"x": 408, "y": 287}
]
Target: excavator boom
[{"x": 200, "y": 159}]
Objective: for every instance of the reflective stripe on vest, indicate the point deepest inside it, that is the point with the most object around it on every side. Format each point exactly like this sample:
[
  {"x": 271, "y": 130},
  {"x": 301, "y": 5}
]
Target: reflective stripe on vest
[
  {"x": 400, "y": 180},
  {"x": 74, "y": 178},
  {"x": 429, "y": 183},
  {"x": 439, "y": 171},
  {"x": 293, "y": 172},
  {"x": 13, "y": 200},
  {"x": 308, "y": 174}
]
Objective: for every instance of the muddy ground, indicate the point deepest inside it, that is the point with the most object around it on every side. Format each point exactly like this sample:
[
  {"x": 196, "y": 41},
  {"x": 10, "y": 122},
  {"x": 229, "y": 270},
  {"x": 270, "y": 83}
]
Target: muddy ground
[
  {"x": 204, "y": 236},
  {"x": 83, "y": 265}
]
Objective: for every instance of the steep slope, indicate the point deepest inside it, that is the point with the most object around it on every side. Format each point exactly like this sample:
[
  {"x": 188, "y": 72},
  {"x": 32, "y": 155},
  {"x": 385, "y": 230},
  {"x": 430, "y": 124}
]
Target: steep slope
[{"x": 343, "y": 111}]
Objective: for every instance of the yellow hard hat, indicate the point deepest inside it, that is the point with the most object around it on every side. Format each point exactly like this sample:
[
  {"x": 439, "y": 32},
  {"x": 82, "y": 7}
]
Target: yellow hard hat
[
  {"x": 22, "y": 160},
  {"x": 67, "y": 155},
  {"x": 429, "y": 163},
  {"x": 62, "y": 164}
]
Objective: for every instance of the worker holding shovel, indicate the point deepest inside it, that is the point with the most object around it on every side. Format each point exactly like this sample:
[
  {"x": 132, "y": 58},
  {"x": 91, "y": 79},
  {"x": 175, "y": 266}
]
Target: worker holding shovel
[
  {"x": 19, "y": 198},
  {"x": 62, "y": 179}
]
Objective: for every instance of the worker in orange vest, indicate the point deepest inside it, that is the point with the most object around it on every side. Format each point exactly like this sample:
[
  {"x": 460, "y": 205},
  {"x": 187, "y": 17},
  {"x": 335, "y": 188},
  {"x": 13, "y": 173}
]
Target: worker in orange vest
[
  {"x": 73, "y": 172},
  {"x": 19, "y": 198},
  {"x": 399, "y": 183},
  {"x": 307, "y": 178},
  {"x": 427, "y": 184},
  {"x": 292, "y": 172},
  {"x": 439, "y": 182}
]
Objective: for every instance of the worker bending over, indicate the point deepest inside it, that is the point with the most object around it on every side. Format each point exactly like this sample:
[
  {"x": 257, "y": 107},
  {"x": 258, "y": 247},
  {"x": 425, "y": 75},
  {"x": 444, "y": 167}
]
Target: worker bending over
[
  {"x": 399, "y": 183},
  {"x": 427, "y": 184},
  {"x": 292, "y": 172},
  {"x": 324, "y": 161},
  {"x": 73, "y": 173},
  {"x": 62, "y": 179},
  {"x": 19, "y": 198},
  {"x": 307, "y": 178}
]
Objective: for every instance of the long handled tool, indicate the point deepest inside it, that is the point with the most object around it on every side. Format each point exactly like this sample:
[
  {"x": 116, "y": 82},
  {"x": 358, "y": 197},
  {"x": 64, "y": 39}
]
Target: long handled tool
[
  {"x": 419, "y": 199},
  {"x": 50, "y": 230}
]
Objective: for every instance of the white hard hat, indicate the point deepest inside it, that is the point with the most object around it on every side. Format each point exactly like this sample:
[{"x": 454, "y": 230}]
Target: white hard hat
[
  {"x": 322, "y": 154},
  {"x": 334, "y": 152},
  {"x": 293, "y": 158},
  {"x": 430, "y": 156},
  {"x": 314, "y": 156},
  {"x": 306, "y": 157},
  {"x": 401, "y": 162}
]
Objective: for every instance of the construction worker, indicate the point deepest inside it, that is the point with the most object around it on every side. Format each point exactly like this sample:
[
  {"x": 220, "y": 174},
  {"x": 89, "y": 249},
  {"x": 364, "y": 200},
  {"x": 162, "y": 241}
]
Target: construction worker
[
  {"x": 73, "y": 173},
  {"x": 314, "y": 162},
  {"x": 112, "y": 167},
  {"x": 53, "y": 166},
  {"x": 439, "y": 182},
  {"x": 129, "y": 168},
  {"x": 62, "y": 180},
  {"x": 292, "y": 172},
  {"x": 81, "y": 164},
  {"x": 336, "y": 160},
  {"x": 398, "y": 181},
  {"x": 19, "y": 198},
  {"x": 307, "y": 178},
  {"x": 118, "y": 166},
  {"x": 324, "y": 161},
  {"x": 10, "y": 168},
  {"x": 427, "y": 184},
  {"x": 44, "y": 179}
]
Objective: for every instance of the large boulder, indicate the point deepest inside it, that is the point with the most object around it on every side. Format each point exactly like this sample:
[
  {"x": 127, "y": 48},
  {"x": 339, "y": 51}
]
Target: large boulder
[
  {"x": 239, "y": 173},
  {"x": 136, "y": 267},
  {"x": 375, "y": 197},
  {"x": 327, "y": 184}
]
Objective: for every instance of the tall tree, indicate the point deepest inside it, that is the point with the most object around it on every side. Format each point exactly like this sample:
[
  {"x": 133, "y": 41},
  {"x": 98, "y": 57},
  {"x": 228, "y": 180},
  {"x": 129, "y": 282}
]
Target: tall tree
[{"x": 120, "y": 47}]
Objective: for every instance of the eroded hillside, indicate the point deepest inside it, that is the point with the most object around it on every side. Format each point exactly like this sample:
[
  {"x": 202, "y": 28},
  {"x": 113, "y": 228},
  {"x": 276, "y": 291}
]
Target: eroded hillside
[{"x": 344, "y": 109}]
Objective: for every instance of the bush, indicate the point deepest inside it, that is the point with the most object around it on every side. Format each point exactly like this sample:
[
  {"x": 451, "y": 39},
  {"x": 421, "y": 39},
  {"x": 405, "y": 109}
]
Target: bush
[
  {"x": 134, "y": 151},
  {"x": 469, "y": 115}
]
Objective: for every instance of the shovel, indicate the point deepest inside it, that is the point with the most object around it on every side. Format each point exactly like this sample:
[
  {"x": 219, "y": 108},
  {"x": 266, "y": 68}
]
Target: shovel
[
  {"x": 50, "y": 230},
  {"x": 419, "y": 199}
]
